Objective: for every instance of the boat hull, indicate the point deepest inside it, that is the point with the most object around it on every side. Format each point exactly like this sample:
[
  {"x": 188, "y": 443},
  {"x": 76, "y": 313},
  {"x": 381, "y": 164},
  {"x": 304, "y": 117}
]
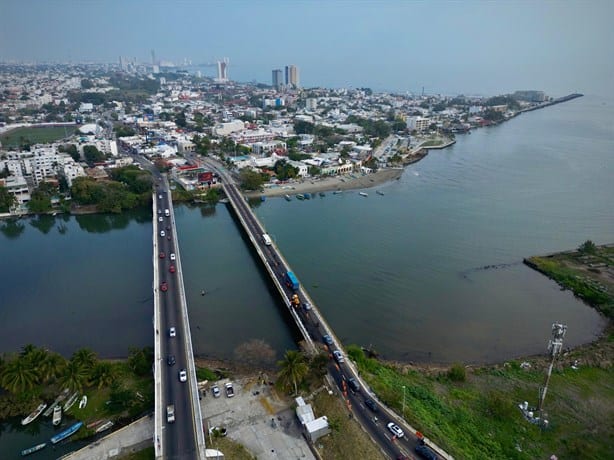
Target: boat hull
[
  {"x": 30, "y": 418},
  {"x": 66, "y": 433},
  {"x": 33, "y": 449}
]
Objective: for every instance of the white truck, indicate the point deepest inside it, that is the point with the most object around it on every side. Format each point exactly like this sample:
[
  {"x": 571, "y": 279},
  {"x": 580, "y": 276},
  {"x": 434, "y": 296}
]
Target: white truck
[{"x": 170, "y": 413}]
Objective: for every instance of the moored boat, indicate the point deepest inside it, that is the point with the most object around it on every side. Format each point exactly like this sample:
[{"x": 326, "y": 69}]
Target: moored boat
[
  {"x": 322, "y": 194},
  {"x": 73, "y": 399},
  {"x": 363, "y": 194},
  {"x": 59, "y": 399},
  {"x": 66, "y": 433},
  {"x": 307, "y": 196},
  {"x": 379, "y": 192},
  {"x": 33, "y": 415},
  {"x": 300, "y": 197},
  {"x": 262, "y": 198},
  {"x": 93, "y": 424},
  {"x": 83, "y": 402},
  {"x": 287, "y": 197},
  {"x": 57, "y": 415},
  {"x": 337, "y": 192},
  {"x": 31, "y": 450},
  {"x": 105, "y": 426}
]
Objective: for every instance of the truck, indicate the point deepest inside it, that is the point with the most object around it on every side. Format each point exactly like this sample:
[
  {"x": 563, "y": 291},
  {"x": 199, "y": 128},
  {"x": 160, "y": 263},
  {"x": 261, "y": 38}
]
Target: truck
[
  {"x": 167, "y": 212},
  {"x": 291, "y": 281},
  {"x": 267, "y": 239},
  {"x": 170, "y": 413}
]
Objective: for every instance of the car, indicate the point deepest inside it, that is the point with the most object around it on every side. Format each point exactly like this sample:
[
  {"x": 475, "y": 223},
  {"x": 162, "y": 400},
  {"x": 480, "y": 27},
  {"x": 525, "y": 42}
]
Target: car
[
  {"x": 338, "y": 356},
  {"x": 159, "y": 211},
  {"x": 354, "y": 385},
  {"x": 230, "y": 392},
  {"x": 160, "y": 219},
  {"x": 215, "y": 390},
  {"x": 159, "y": 197},
  {"x": 162, "y": 255},
  {"x": 328, "y": 340},
  {"x": 306, "y": 306},
  {"x": 424, "y": 452},
  {"x": 168, "y": 237},
  {"x": 164, "y": 286},
  {"x": 171, "y": 269},
  {"x": 172, "y": 332},
  {"x": 162, "y": 233},
  {"x": 395, "y": 430},
  {"x": 168, "y": 227},
  {"x": 371, "y": 404},
  {"x": 183, "y": 375},
  {"x": 172, "y": 256},
  {"x": 170, "y": 360}
]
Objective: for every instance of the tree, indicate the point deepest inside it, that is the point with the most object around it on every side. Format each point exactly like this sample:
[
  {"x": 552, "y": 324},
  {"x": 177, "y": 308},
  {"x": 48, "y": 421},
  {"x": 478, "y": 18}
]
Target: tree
[
  {"x": 40, "y": 200},
  {"x": 293, "y": 369},
  {"x": 250, "y": 180},
  {"x": 93, "y": 155},
  {"x": 74, "y": 376},
  {"x": 140, "y": 360},
  {"x": 284, "y": 170},
  {"x": 18, "y": 375},
  {"x": 51, "y": 367},
  {"x": 7, "y": 200},
  {"x": 180, "y": 120},
  {"x": 588, "y": 247},
  {"x": 85, "y": 358},
  {"x": 102, "y": 374}
]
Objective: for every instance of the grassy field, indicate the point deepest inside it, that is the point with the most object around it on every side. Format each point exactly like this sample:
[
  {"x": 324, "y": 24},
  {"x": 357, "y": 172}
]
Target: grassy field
[
  {"x": 34, "y": 135},
  {"x": 479, "y": 418}
]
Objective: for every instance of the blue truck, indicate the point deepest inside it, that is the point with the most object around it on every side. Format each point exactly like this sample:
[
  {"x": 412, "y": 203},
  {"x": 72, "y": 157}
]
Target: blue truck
[{"x": 291, "y": 281}]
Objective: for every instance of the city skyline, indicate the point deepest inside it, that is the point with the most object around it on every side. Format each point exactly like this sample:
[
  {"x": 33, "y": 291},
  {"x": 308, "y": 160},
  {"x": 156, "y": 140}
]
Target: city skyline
[{"x": 445, "y": 47}]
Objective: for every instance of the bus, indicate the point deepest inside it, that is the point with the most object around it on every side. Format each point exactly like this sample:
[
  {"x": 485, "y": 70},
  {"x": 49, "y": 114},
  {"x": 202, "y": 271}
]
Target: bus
[{"x": 291, "y": 281}]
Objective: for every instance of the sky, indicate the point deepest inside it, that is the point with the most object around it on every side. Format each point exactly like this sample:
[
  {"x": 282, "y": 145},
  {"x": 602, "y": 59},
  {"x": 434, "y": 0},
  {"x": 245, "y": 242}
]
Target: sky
[{"x": 468, "y": 47}]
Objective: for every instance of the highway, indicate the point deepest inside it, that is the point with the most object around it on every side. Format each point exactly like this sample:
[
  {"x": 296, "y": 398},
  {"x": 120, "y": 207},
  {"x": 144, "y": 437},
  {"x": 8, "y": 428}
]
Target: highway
[{"x": 374, "y": 423}]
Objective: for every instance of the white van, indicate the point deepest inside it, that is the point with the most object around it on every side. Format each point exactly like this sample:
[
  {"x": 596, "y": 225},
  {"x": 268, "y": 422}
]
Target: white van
[
  {"x": 167, "y": 212},
  {"x": 267, "y": 239}
]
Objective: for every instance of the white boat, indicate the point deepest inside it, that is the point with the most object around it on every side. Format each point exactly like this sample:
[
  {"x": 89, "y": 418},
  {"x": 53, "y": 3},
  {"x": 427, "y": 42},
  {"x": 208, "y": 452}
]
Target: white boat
[
  {"x": 83, "y": 402},
  {"x": 379, "y": 192},
  {"x": 33, "y": 415},
  {"x": 59, "y": 399},
  {"x": 363, "y": 194},
  {"x": 71, "y": 401},
  {"x": 31, "y": 450},
  {"x": 57, "y": 415},
  {"x": 105, "y": 426}
]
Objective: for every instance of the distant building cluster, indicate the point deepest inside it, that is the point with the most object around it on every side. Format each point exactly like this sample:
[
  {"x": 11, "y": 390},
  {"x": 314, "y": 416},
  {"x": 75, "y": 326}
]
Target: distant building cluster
[{"x": 291, "y": 79}]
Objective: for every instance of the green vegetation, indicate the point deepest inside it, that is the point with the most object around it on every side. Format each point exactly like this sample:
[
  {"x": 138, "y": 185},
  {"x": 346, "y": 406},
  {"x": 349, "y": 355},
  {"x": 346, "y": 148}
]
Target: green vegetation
[
  {"x": 7, "y": 200},
  {"x": 149, "y": 453},
  {"x": 377, "y": 128},
  {"x": 25, "y": 137},
  {"x": 584, "y": 272},
  {"x": 479, "y": 418},
  {"x": 114, "y": 390},
  {"x": 293, "y": 369},
  {"x": 284, "y": 170},
  {"x": 40, "y": 201},
  {"x": 122, "y": 130},
  {"x": 132, "y": 189},
  {"x": 92, "y": 155},
  {"x": 230, "y": 448},
  {"x": 251, "y": 180}
]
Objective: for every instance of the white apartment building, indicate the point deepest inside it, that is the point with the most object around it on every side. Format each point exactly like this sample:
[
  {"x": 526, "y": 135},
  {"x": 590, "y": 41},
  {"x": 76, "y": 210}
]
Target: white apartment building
[
  {"x": 419, "y": 124},
  {"x": 72, "y": 170},
  {"x": 224, "y": 129},
  {"x": 17, "y": 186}
]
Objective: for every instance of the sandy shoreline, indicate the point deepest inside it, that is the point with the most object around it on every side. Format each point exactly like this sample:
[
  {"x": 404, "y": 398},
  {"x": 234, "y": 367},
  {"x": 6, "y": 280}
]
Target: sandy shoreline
[{"x": 329, "y": 184}]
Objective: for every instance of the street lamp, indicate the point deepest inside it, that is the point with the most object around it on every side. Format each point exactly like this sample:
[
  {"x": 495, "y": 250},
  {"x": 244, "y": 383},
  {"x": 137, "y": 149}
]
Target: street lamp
[{"x": 403, "y": 413}]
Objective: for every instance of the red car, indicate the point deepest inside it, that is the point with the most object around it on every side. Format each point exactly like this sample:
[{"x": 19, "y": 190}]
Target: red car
[
  {"x": 172, "y": 269},
  {"x": 162, "y": 255},
  {"x": 164, "y": 286}
]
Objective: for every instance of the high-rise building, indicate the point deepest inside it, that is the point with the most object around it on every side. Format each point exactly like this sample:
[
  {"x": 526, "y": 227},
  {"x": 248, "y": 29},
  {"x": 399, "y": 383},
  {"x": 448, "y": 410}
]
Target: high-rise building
[
  {"x": 222, "y": 70},
  {"x": 292, "y": 76},
  {"x": 277, "y": 78}
]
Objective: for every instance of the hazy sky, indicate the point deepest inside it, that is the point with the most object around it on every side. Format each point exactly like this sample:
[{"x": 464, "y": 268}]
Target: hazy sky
[{"x": 471, "y": 47}]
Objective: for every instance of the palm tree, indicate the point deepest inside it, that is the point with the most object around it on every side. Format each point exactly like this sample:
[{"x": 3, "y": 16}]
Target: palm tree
[
  {"x": 293, "y": 368},
  {"x": 74, "y": 376},
  {"x": 85, "y": 358},
  {"x": 18, "y": 375},
  {"x": 102, "y": 374},
  {"x": 36, "y": 357},
  {"x": 51, "y": 368}
]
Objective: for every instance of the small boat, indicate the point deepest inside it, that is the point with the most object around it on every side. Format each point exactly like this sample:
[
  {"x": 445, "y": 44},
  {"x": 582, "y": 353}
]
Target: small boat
[
  {"x": 30, "y": 418},
  {"x": 287, "y": 197},
  {"x": 105, "y": 426},
  {"x": 83, "y": 402},
  {"x": 307, "y": 196},
  {"x": 379, "y": 192},
  {"x": 300, "y": 197},
  {"x": 363, "y": 194},
  {"x": 322, "y": 194},
  {"x": 33, "y": 449},
  {"x": 71, "y": 401},
  {"x": 93, "y": 424},
  {"x": 59, "y": 399},
  {"x": 337, "y": 192},
  {"x": 262, "y": 198},
  {"x": 66, "y": 433},
  {"x": 57, "y": 415}
]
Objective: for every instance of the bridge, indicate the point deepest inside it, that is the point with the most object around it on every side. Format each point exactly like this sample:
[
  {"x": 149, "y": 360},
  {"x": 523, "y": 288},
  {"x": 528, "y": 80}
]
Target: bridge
[{"x": 184, "y": 437}]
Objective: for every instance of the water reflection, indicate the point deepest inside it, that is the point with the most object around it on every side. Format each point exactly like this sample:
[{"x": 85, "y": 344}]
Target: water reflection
[
  {"x": 12, "y": 228},
  {"x": 43, "y": 222},
  {"x": 104, "y": 223}
]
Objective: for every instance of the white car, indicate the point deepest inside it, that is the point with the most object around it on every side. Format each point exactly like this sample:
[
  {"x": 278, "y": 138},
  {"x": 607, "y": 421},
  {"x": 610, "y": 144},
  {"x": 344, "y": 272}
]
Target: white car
[
  {"x": 338, "y": 356},
  {"x": 172, "y": 332},
  {"x": 162, "y": 233},
  {"x": 183, "y": 375},
  {"x": 160, "y": 219},
  {"x": 395, "y": 430},
  {"x": 172, "y": 256},
  {"x": 216, "y": 391}
]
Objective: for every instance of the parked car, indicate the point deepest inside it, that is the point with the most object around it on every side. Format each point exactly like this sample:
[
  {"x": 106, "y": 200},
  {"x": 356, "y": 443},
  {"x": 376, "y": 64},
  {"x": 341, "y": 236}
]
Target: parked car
[
  {"x": 183, "y": 375},
  {"x": 424, "y": 452},
  {"x": 395, "y": 430},
  {"x": 230, "y": 392},
  {"x": 338, "y": 356},
  {"x": 371, "y": 404},
  {"x": 215, "y": 390},
  {"x": 172, "y": 332}
]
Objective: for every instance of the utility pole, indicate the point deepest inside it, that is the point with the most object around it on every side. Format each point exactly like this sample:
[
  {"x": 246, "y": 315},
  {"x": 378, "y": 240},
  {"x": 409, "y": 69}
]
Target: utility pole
[
  {"x": 554, "y": 347},
  {"x": 403, "y": 413}
]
